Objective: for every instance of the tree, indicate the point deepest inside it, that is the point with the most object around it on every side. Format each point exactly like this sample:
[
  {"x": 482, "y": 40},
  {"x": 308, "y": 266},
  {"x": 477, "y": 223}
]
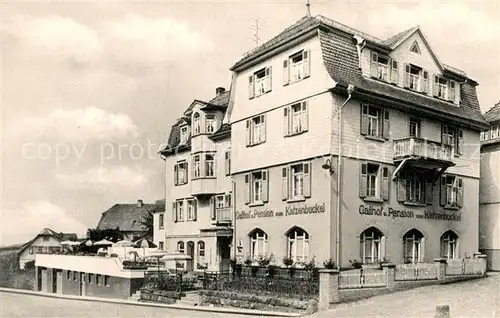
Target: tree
[
  {"x": 113, "y": 235},
  {"x": 147, "y": 221}
]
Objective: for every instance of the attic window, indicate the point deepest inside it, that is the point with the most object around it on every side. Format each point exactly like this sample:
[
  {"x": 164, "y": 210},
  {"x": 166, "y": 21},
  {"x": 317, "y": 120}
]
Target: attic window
[
  {"x": 415, "y": 48},
  {"x": 184, "y": 135}
]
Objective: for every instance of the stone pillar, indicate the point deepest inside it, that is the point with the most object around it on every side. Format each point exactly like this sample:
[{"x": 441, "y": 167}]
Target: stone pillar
[
  {"x": 390, "y": 273},
  {"x": 440, "y": 267},
  {"x": 328, "y": 288},
  {"x": 483, "y": 259}
]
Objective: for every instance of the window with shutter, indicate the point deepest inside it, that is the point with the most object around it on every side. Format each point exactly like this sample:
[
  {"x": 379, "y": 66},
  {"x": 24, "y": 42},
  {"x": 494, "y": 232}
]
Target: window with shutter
[
  {"x": 394, "y": 72},
  {"x": 256, "y": 130},
  {"x": 299, "y": 66},
  {"x": 265, "y": 186},
  {"x": 373, "y": 120},
  {"x": 425, "y": 82},
  {"x": 247, "y": 188},
  {"x": 297, "y": 118},
  {"x": 261, "y": 82},
  {"x": 286, "y": 74},
  {"x": 176, "y": 174},
  {"x": 307, "y": 179},
  {"x": 251, "y": 87},
  {"x": 385, "y": 183},
  {"x": 284, "y": 184},
  {"x": 268, "y": 81},
  {"x": 363, "y": 180},
  {"x": 286, "y": 121}
]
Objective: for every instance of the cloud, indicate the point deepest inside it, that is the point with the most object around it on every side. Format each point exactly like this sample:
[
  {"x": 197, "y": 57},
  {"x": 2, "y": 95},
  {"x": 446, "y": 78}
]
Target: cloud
[
  {"x": 135, "y": 38},
  {"x": 102, "y": 178},
  {"x": 55, "y": 37},
  {"x": 89, "y": 123},
  {"x": 21, "y": 225}
]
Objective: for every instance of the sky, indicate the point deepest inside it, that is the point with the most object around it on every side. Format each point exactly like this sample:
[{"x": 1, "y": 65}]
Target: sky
[{"x": 91, "y": 88}]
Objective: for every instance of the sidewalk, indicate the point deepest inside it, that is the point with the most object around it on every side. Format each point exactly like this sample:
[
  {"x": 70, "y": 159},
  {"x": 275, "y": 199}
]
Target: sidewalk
[{"x": 137, "y": 303}]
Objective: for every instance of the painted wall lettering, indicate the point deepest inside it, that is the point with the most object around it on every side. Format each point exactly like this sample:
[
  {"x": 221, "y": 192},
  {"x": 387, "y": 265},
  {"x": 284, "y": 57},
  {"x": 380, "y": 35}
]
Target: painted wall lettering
[
  {"x": 289, "y": 210},
  {"x": 404, "y": 213}
]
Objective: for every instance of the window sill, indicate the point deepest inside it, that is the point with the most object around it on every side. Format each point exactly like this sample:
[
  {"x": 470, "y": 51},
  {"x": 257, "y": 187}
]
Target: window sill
[
  {"x": 300, "y": 199},
  {"x": 372, "y": 199},
  {"x": 161, "y": 228},
  {"x": 253, "y": 145},
  {"x": 296, "y": 134},
  {"x": 451, "y": 207},
  {"x": 202, "y": 134},
  {"x": 181, "y": 184},
  {"x": 414, "y": 203},
  {"x": 375, "y": 138},
  {"x": 201, "y": 178},
  {"x": 297, "y": 80},
  {"x": 256, "y": 204}
]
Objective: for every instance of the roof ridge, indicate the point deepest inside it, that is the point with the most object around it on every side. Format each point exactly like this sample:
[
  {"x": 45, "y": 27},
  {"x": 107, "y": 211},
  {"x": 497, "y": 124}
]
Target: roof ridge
[
  {"x": 492, "y": 108},
  {"x": 322, "y": 17}
]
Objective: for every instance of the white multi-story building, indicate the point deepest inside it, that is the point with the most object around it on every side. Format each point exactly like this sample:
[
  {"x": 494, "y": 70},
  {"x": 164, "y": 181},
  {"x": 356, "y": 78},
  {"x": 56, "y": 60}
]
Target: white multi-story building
[{"x": 198, "y": 215}]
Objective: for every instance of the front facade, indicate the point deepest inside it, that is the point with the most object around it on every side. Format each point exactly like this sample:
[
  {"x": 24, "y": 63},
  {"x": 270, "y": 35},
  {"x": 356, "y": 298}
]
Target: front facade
[
  {"x": 198, "y": 215},
  {"x": 409, "y": 177},
  {"x": 489, "y": 190},
  {"x": 46, "y": 241}
]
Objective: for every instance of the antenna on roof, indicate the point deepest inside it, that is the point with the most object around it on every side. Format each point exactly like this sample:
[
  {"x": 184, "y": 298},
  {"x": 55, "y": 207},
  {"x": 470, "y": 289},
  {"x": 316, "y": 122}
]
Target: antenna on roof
[
  {"x": 256, "y": 28},
  {"x": 308, "y": 6}
]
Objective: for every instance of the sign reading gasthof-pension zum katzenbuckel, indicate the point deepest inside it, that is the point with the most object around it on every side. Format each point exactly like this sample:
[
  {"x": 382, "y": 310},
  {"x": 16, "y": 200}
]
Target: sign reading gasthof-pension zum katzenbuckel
[
  {"x": 291, "y": 210},
  {"x": 404, "y": 213}
]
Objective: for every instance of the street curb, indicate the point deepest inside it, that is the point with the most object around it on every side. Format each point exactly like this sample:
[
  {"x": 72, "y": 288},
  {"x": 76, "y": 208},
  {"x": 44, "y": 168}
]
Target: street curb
[{"x": 138, "y": 303}]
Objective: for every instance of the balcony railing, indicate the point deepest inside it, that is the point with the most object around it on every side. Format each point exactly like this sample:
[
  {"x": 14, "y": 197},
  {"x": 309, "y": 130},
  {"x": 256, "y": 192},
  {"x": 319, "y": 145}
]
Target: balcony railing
[
  {"x": 417, "y": 147},
  {"x": 224, "y": 215}
]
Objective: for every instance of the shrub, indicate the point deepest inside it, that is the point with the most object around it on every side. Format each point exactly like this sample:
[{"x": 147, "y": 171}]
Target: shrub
[
  {"x": 248, "y": 261},
  {"x": 287, "y": 261},
  {"x": 356, "y": 264},
  {"x": 265, "y": 260},
  {"x": 330, "y": 264}
]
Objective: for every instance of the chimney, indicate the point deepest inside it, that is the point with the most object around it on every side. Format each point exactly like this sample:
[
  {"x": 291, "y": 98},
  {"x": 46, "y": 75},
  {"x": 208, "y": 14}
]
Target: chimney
[
  {"x": 219, "y": 90},
  {"x": 139, "y": 203}
]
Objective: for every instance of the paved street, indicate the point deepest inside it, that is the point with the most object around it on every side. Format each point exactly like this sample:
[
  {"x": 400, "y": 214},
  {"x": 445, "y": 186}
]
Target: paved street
[
  {"x": 17, "y": 305},
  {"x": 477, "y": 298}
]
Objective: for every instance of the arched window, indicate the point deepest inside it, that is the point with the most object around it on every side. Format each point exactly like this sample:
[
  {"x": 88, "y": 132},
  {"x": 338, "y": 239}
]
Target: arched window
[
  {"x": 297, "y": 244},
  {"x": 180, "y": 247},
  {"x": 201, "y": 249},
  {"x": 370, "y": 245},
  {"x": 258, "y": 243},
  {"x": 413, "y": 246},
  {"x": 196, "y": 124},
  {"x": 449, "y": 245}
]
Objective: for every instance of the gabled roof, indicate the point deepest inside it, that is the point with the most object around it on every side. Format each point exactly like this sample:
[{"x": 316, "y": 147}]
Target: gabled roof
[
  {"x": 493, "y": 114},
  {"x": 49, "y": 232},
  {"x": 219, "y": 102},
  {"x": 126, "y": 217},
  {"x": 342, "y": 62}
]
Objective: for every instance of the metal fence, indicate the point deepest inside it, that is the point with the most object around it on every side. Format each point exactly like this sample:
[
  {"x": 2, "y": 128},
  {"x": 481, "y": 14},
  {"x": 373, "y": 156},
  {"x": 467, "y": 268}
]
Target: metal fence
[
  {"x": 168, "y": 282},
  {"x": 464, "y": 266},
  {"x": 418, "y": 271},
  {"x": 280, "y": 286},
  {"x": 362, "y": 279}
]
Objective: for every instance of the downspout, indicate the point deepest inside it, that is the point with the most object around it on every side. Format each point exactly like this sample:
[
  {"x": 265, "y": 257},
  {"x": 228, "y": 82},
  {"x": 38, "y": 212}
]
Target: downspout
[{"x": 350, "y": 90}]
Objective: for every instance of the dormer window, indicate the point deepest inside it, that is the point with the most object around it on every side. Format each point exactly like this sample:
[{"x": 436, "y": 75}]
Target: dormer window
[
  {"x": 184, "y": 134},
  {"x": 416, "y": 78},
  {"x": 382, "y": 64},
  {"x": 384, "y": 68},
  {"x": 445, "y": 88},
  {"x": 210, "y": 123},
  {"x": 196, "y": 124}
]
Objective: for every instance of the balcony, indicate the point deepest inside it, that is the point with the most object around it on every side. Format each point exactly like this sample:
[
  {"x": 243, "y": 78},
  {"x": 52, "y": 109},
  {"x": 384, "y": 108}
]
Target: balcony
[
  {"x": 223, "y": 216},
  {"x": 421, "y": 148},
  {"x": 203, "y": 186}
]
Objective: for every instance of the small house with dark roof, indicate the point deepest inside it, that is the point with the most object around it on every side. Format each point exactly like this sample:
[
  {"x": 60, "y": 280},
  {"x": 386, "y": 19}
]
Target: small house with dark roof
[
  {"x": 47, "y": 241},
  {"x": 346, "y": 146},
  {"x": 127, "y": 218},
  {"x": 489, "y": 189},
  {"x": 197, "y": 216}
]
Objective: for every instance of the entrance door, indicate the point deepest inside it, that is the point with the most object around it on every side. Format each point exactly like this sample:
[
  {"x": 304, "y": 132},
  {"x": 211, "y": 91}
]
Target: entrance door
[
  {"x": 190, "y": 252},
  {"x": 223, "y": 244},
  {"x": 59, "y": 282},
  {"x": 82, "y": 284},
  {"x": 44, "y": 280}
]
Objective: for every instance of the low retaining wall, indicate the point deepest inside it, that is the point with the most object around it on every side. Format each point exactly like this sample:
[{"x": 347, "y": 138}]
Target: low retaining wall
[
  {"x": 160, "y": 296},
  {"x": 249, "y": 301}
]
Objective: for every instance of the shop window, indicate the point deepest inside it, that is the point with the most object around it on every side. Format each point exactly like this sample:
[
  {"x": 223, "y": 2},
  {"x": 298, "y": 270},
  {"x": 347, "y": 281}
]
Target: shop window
[
  {"x": 298, "y": 244},
  {"x": 449, "y": 245},
  {"x": 180, "y": 247},
  {"x": 413, "y": 242},
  {"x": 371, "y": 249},
  {"x": 258, "y": 243}
]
